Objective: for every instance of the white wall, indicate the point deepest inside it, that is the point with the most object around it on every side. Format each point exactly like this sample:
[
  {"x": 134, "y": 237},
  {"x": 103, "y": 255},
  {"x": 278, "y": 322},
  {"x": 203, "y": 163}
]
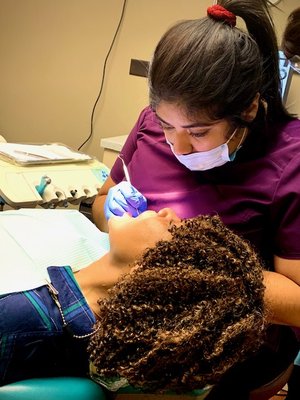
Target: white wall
[{"x": 52, "y": 54}]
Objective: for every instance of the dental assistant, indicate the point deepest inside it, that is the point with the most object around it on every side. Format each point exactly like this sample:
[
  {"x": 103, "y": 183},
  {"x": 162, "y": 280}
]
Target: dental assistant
[
  {"x": 216, "y": 138},
  {"x": 291, "y": 40}
]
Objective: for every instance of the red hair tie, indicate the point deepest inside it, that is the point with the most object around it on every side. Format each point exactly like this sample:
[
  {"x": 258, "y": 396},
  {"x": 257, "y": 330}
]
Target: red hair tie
[{"x": 220, "y": 13}]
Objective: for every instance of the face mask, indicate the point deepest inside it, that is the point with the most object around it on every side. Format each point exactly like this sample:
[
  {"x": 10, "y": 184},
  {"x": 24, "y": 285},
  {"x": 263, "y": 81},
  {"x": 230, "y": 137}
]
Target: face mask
[{"x": 204, "y": 160}]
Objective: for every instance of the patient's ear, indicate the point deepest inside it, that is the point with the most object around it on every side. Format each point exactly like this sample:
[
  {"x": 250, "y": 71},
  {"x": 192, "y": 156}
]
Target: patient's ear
[{"x": 249, "y": 114}]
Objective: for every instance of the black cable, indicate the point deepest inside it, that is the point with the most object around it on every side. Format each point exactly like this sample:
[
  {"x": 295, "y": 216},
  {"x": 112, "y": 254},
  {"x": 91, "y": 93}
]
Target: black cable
[{"x": 103, "y": 76}]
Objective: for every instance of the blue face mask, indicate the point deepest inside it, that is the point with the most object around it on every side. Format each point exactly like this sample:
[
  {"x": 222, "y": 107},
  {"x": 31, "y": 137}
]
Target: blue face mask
[{"x": 204, "y": 160}]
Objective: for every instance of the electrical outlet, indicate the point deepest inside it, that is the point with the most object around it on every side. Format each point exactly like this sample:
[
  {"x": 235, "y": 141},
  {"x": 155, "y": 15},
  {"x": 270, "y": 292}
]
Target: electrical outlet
[{"x": 139, "y": 68}]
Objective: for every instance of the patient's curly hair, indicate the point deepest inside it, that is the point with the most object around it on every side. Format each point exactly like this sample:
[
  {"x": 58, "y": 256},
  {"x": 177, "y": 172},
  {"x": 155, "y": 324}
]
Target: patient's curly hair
[{"x": 191, "y": 309}]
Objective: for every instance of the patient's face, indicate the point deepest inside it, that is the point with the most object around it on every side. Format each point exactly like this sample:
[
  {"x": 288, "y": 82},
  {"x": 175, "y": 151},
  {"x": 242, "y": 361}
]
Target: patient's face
[{"x": 129, "y": 236}]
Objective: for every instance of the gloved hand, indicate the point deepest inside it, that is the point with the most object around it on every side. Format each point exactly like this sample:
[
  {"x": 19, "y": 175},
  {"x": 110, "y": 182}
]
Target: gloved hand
[{"x": 124, "y": 198}]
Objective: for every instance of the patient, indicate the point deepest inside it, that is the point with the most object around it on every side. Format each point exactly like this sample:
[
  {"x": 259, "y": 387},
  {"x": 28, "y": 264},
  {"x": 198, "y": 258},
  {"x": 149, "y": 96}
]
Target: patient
[
  {"x": 177, "y": 304},
  {"x": 191, "y": 308}
]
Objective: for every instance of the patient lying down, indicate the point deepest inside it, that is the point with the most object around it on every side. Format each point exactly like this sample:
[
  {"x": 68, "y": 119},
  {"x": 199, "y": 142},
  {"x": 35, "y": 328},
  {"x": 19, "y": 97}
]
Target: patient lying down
[{"x": 172, "y": 306}]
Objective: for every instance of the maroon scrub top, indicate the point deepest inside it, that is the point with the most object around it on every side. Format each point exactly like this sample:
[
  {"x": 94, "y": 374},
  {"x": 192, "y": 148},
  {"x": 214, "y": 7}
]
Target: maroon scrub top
[{"x": 257, "y": 195}]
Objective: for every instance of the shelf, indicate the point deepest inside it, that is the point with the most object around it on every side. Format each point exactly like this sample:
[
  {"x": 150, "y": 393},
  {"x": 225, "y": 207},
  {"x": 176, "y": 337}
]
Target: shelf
[{"x": 113, "y": 143}]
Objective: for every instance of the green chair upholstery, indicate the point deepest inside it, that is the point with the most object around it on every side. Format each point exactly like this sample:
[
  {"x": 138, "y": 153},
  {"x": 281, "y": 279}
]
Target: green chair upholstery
[{"x": 58, "y": 388}]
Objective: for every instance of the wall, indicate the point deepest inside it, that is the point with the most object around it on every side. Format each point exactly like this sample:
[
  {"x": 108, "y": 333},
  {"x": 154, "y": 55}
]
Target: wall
[{"x": 52, "y": 55}]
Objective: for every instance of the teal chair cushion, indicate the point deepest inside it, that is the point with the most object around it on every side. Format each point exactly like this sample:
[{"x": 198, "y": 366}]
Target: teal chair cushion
[{"x": 60, "y": 388}]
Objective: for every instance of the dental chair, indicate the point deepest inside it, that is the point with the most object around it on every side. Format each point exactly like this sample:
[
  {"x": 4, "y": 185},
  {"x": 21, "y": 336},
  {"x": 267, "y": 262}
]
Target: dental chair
[
  {"x": 57, "y": 388},
  {"x": 74, "y": 388},
  {"x": 77, "y": 388}
]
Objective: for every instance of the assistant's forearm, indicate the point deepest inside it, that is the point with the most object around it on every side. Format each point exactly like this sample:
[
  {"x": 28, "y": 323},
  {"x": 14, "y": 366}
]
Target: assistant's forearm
[
  {"x": 282, "y": 299},
  {"x": 98, "y": 213}
]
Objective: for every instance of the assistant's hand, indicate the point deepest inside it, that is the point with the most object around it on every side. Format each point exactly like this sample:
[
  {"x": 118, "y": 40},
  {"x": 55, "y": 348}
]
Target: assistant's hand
[{"x": 124, "y": 198}]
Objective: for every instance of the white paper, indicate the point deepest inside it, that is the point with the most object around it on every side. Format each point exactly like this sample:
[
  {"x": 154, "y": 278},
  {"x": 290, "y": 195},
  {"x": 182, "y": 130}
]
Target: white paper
[
  {"x": 44, "y": 153},
  {"x": 34, "y": 239}
]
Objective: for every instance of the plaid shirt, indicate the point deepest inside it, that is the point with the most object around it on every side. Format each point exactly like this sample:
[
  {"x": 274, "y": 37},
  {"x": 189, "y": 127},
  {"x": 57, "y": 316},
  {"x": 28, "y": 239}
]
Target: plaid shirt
[{"x": 34, "y": 341}]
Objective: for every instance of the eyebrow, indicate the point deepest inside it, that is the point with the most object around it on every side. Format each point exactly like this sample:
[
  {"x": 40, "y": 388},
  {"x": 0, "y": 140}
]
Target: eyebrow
[{"x": 193, "y": 125}]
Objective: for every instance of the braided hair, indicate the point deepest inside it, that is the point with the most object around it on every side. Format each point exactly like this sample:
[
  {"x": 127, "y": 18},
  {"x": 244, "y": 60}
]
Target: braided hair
[{"x": 191, "y": 309}]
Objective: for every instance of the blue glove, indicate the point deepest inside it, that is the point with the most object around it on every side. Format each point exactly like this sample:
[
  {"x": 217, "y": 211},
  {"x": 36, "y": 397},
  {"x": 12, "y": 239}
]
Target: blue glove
[{"x": 124, "y": 198}]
